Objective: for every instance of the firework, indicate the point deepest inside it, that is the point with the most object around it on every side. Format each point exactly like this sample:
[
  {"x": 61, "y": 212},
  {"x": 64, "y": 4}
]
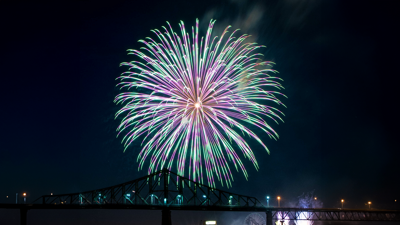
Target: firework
[{"x": 189, "y": 101}]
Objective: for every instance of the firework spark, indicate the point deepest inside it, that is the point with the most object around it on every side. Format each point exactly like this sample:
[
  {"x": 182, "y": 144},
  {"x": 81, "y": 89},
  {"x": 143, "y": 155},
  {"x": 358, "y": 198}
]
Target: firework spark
[{"x": 190, "y": 98}]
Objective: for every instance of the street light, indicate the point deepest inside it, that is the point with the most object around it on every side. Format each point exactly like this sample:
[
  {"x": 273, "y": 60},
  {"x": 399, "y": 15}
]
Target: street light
[
  {"x": 315, "y": 198},
  {"x": 267, "y": 201},
  {"x": 24, "y": 194},
  {"x": 342, "y": 202},
  {"x": 152, "y": 198},
  {"x": 179, "y": 198},
  {"x": 369, "y": 205},
  {"x": 279, "y": 201}
]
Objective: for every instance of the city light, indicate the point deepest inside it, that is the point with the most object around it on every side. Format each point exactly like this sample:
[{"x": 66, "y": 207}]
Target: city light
[
  {"x": 211, "y": 222},
  {"x": 369, "y": 204},
  {"x": 279, "y": 201},
  {"x": 179, "y": 199},
  {"x": 342, "y": 202},
  {"x": 24, "y": 194},
  {"x": 315, "y": 198}
]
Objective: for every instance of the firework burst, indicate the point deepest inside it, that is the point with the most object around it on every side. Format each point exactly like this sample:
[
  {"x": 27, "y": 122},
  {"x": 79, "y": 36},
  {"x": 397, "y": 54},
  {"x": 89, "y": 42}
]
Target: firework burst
[{"x": 190, "y": 99}]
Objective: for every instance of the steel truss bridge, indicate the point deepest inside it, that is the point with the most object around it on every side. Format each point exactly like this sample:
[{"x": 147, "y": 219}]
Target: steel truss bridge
[{"x": 165, "y": 190}]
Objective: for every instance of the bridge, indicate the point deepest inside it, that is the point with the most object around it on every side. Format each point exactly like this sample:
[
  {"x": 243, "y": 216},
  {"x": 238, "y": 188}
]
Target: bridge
[{"x": 165, "y": 190}]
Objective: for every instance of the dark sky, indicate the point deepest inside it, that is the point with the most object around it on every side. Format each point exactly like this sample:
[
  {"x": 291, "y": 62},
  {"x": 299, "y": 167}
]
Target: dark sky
[{"x": 338, "y": 60}]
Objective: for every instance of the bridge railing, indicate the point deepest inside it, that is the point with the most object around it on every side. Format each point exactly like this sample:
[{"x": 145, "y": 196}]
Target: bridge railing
[{"x": 319, "y": 214}]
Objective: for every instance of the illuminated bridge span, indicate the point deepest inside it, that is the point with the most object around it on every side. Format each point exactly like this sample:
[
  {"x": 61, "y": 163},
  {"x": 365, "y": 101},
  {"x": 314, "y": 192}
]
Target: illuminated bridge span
[
  {"x": 160, "y": 189},
  {"x": 166, "y": 191}
]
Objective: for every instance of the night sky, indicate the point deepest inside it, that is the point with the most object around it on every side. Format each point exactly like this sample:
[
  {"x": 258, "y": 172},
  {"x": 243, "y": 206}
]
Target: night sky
[{"x": 339, "y": 61}]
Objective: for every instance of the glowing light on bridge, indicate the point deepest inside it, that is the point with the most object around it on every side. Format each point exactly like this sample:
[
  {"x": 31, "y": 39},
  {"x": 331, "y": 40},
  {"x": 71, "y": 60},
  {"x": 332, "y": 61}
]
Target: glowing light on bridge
[
  {"x": 302, "y": 219},
  {"x": 282, "y": 219},
  {"x": 191, "y": 99}
]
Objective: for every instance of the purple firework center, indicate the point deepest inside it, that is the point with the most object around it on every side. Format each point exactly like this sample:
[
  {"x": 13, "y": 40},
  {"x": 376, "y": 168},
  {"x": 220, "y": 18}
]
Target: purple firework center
[{"x": 190, "y": 99}]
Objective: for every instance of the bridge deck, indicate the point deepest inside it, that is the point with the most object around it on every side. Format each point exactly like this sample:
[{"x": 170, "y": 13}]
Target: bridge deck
[{"x": 316, "y": 214}]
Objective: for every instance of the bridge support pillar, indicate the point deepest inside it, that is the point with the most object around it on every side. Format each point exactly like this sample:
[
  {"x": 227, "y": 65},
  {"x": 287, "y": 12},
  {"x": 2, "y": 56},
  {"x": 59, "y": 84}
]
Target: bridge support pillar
[
  {"x": 166, "y": 217},
  {"x": 23, "y": 214},
  {"x": 269, "y": 217}
]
